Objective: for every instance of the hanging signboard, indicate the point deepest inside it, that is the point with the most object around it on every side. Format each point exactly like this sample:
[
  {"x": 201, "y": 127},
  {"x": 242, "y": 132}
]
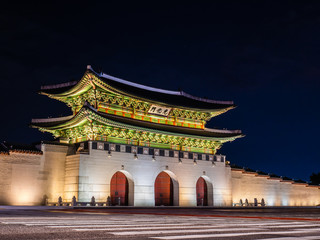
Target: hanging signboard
[{"x": 158, "y": 110}]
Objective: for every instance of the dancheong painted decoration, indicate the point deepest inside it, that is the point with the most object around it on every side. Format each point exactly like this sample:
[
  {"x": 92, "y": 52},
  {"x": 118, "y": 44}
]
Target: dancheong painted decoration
[
  {"x": 110, "y": 109},
  {"x": 127, "y": 144}
]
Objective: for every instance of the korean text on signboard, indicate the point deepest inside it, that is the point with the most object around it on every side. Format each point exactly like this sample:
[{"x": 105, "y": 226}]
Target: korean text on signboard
[{"x": 163, "y": 111}]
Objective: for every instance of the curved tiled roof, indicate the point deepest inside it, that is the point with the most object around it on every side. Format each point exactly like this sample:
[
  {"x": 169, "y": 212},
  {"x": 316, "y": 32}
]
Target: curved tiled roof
[
  {"x": 215, "y": 133},
  {"x": 174, "y": 98}
]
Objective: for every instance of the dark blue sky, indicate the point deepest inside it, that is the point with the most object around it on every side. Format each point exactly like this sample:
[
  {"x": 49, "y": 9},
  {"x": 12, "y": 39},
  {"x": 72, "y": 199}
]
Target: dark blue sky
[{"x": 264, "y": 55}]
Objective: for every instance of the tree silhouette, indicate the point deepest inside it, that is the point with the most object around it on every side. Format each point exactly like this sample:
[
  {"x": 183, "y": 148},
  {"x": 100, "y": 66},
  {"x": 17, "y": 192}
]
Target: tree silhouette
[{"x": 315, "y": 178}]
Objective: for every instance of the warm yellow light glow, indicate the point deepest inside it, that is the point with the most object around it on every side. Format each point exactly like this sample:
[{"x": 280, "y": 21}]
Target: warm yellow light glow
[{"x": 24, "y": 196}]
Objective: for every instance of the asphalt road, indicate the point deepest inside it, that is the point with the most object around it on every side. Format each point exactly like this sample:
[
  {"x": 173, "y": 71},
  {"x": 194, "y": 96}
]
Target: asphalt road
[{"x": 159, "y": 223}]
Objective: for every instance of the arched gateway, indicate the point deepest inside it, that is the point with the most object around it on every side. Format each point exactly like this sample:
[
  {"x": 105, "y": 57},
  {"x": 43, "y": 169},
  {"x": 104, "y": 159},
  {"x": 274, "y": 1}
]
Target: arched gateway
[
  {"x": 128, "y": 119},
  {"x": 119, "y": 189},
  {"x": 202, "y": 192},
  {"x": 163, "y": 190}
]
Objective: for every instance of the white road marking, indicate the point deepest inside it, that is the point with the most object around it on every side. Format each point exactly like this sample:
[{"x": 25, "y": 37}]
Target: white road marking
[
  {"x": 68, "y": 223},
  {"x": 293, "y": 238},
  {"x": 47, "y": 218},
  {"x": 147, "y": 228},
  {"x": 233, "y": 235},
  {"x": 182, "y": 231},
  {"x": 116, "y": 226},
  {"x": 65, "y": 222},
  {"x": 87, "y": 223},
  {"x": 173, "y": 225},
  {"x": 268, "y": 223},
  {"x": 160, "y": 226},
  {"x": 124, "y": 218},
  {"x": 294, "y": 226}
]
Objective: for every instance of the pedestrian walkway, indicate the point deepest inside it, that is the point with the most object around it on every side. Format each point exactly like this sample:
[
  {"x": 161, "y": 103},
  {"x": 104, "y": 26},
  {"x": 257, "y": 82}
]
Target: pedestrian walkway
[{"x": 174, "y": 227}]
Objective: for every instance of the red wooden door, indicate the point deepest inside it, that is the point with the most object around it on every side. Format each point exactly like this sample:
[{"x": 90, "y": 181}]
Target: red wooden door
[
  {"x": 119, "y": 189},
  {"x": 163, "y": 190},
  {"x": 202, "y": 192}
]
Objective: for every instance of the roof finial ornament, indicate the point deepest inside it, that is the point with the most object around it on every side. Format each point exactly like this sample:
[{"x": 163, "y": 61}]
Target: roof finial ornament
[{"x": 89, "y": 67}]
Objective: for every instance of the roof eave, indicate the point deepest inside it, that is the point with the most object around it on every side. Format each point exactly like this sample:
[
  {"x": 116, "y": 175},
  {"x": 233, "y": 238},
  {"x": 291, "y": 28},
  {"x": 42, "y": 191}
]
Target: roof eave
[
  {"x": 74, "y": 87},
  {"x": 79, "y": 119}
]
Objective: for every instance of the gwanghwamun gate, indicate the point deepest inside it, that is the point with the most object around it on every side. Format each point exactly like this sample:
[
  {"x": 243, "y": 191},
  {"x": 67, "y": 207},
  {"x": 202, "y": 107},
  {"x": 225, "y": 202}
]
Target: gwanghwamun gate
[{"x": 130, "y": 144}]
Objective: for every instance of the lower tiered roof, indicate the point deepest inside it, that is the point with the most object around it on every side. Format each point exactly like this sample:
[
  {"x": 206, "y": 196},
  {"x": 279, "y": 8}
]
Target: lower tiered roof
[{"x": 90, "y": 124}]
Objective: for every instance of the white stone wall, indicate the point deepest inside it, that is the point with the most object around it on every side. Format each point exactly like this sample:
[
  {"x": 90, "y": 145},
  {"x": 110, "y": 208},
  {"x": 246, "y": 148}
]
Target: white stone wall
[
  {"x": 96, "y": 170},
  {"x": 71, "y": 177},
  {"x": 21, "y": 179},
  {"x": 26, "y": 178},
  {"x": 274, "y": 191},
  {"x": 53, "y": 164}
]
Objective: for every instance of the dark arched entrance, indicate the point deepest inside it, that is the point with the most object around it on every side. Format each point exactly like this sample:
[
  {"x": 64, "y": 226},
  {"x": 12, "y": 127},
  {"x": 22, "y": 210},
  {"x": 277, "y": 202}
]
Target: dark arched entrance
[
  {"x": 163, "y": 190},
  {"x": 119, "y": 189},
  {"x": 202, "y": 192}
]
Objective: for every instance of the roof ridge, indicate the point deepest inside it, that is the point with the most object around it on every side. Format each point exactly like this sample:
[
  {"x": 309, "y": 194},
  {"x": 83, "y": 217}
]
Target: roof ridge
[
  {"x": 137, "y": 85},
  {"x": 59, "y": 85},
  {"x": 205, "y": 100},
  {"x": 87, "y": 104},
  {"x": 160, "y": 90},
  {"x": 41, "y": 120},
  {"x": 222, "y": 130}
]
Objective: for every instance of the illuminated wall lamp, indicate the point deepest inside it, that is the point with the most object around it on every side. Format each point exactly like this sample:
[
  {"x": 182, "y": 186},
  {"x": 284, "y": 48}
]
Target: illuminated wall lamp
[
  {"x": 153, "y": 158},
  {"x": 109, "y": 154},
  {"x": 180, "y": 161},
  {"x": 195, "y": 162},
  {"x": 213, "y": 164},
  {"x": 135, "y": 156}
]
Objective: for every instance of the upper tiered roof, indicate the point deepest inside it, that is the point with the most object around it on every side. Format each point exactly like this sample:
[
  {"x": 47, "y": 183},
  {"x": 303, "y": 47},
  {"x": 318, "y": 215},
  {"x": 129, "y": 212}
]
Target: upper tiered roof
[{"x": 166, "y": 97}]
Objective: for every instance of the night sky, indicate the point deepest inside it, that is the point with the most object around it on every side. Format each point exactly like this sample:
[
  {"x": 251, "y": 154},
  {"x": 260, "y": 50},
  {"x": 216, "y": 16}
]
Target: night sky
[{"x": 265, "y": 56}]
